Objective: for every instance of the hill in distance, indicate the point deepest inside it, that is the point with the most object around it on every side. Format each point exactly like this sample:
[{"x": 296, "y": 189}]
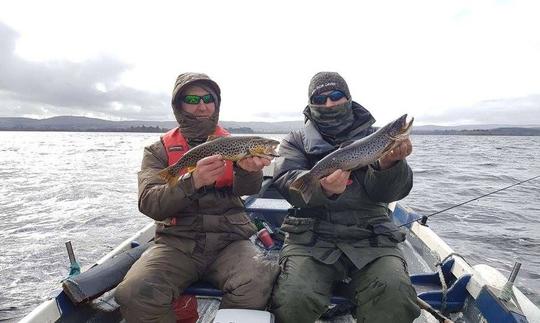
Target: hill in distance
[{"x": 73, "y": 123}]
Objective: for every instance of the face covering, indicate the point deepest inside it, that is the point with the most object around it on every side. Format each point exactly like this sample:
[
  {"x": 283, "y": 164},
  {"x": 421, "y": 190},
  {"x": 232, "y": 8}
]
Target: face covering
[
  {"x": 333, "y": 122},
  {"x": 196, "y": 130}
]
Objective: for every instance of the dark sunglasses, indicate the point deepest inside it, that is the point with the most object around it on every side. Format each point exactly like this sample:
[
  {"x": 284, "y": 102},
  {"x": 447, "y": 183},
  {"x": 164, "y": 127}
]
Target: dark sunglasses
[
  {"x": 195, "y": 99},
  {"x": 321, "y": 98}
]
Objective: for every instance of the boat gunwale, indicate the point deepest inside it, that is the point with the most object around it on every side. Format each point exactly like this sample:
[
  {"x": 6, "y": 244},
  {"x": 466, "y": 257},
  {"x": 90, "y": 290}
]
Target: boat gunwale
[{"x": 424, "y": 234}]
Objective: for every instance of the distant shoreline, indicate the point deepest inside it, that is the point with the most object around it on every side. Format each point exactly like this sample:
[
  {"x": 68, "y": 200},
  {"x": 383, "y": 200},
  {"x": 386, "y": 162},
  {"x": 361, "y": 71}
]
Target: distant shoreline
[
  {"x": 482, "y": 132},
  {"x": 161, "y": 130},
  {"x": 85, "y": 124}
]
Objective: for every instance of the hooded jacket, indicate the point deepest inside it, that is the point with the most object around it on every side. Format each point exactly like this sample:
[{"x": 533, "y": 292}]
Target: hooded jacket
[
  {"x": 356, "y": 222},
  {"x": 207, "y": 219}
]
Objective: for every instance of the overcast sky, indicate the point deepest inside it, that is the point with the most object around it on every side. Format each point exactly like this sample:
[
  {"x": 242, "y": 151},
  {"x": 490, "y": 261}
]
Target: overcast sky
[{"x": 444, "y": 62}]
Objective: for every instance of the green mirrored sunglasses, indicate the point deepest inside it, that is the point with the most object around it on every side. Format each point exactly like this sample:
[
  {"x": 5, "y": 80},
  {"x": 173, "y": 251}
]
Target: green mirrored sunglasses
[{"x": 195, "y": 99}]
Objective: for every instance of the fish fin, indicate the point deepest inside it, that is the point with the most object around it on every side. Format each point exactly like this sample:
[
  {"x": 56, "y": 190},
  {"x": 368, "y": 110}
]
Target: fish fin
[
  {"x": 388, "y": 149},
  {"x": 237, "y": 157},
  {"x": 346, "y": 143},
  {"x": 304, "y": 185},
  {"x": 191, "y": 169},
  {"x": 262, "y": 156},
  {"x": 212, "y": 137},
  {"x": 402, "y": 137},
  {"x": 243, "y": 155},
  {"x": 399, "y": 137},
  {"x": 267, "y": 153},
  {"x": 271, "y": 151},
  {"x": 166, "y": 175},
  {"x": 255, "y": 152},
  {"x": 393, "y": 138}
]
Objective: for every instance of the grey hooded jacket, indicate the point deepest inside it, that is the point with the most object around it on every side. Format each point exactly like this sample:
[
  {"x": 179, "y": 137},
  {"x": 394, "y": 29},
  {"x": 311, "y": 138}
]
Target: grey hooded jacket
[{"x": 357, "y": 221}]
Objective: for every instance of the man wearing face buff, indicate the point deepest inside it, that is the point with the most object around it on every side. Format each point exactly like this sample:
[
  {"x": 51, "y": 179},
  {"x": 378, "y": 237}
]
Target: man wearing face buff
[
  {"x": 342, "y": 239},
  {"x": 202, "y": 230}
]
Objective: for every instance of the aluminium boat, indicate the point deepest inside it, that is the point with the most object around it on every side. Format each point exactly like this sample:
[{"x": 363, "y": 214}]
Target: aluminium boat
[{"x": 446, "y": 284}]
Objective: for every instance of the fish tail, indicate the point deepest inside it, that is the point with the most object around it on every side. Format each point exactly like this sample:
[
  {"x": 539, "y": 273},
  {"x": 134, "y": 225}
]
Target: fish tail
[
  {"x": 305, "y": 185},
  {"x": 168, "y": 176}
]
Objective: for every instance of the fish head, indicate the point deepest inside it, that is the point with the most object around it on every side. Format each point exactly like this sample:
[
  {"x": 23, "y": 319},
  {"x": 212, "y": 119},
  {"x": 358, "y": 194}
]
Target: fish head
[
  {"x": 399, "y": 128},
  {"x": 265, "y": 146}
]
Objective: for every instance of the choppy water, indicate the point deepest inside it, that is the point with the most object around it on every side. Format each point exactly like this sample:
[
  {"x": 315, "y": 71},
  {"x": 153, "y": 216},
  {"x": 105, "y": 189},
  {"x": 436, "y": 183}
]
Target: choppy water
[{"x": 82, "y": 187}]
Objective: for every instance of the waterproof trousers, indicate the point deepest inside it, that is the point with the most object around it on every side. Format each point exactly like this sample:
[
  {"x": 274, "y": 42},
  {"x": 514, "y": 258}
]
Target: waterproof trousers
[
  {"x": 382, "y": 290},
  {"x": 162, "y": 273}
]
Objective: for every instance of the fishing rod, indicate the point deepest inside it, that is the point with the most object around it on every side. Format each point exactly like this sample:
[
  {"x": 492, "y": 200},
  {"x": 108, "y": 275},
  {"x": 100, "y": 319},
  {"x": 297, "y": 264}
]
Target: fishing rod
[{"x": 425, "y": 217}]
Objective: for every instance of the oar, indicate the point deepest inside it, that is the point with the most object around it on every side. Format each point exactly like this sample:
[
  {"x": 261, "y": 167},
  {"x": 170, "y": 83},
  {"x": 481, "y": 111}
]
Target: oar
[
  {"x": 74, "y": 267},
  {"x": 436, "y": 314}
]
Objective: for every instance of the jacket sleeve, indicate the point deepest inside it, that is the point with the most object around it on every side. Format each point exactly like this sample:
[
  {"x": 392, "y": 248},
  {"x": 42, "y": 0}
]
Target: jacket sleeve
[
  {"x": 246, "y": 183},
  {"x": 291, "y": 164},
  {"x": 156, "y": 199},
  {"x": 389, "y": 185}
]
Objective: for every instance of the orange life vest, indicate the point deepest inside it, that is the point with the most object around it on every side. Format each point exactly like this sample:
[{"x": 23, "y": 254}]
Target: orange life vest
[{"x": 176, "y": 146}]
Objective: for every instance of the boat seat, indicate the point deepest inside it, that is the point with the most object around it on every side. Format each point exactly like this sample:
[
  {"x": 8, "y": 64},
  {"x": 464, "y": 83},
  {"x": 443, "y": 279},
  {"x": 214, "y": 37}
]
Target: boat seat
[
  {"x": 428, "y": 287},
  {"x": 203, "y": 288}
]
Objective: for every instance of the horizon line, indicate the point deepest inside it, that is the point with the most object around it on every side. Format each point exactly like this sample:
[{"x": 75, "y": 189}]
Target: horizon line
[{"x": 251, "y": 121}]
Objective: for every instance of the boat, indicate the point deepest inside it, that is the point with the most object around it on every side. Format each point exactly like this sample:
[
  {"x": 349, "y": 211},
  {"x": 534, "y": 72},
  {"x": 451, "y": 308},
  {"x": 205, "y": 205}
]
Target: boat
[{"x": 446, "y": 284}]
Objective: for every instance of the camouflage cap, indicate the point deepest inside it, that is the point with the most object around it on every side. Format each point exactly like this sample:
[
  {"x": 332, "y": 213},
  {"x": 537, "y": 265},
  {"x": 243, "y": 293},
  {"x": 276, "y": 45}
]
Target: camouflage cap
[
  {"x": 327, "y": 81},
  {"x": 185, "y": 79}
]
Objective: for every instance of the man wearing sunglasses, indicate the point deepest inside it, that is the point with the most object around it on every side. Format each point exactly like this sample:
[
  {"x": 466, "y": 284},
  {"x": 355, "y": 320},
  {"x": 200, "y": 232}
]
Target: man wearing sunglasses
[
  {"x": 341, "y": 240},
  {"x": 202, "y": 229}
]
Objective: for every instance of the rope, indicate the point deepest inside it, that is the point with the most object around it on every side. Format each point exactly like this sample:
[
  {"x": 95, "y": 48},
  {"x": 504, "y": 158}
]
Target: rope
[
  {"x": 444, "y": 287},
  {"x": 451, "y": 255}
]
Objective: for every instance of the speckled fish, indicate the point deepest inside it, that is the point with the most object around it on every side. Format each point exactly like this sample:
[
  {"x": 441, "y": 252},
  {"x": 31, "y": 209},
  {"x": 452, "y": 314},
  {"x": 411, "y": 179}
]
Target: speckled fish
[
  {"x": 231, "y": 148},
  {"x": 355, "y": 154}
]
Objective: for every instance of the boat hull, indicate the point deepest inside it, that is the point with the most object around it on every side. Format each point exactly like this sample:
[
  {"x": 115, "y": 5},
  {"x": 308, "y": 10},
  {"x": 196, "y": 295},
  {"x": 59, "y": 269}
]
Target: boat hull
[{"x": 467, "y": 294}]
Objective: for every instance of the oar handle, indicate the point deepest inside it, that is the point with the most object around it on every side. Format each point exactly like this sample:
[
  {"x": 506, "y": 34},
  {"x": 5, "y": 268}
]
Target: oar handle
[
  {"x": 70, "y": 252},
  {"x": 515, "y": 271},
  {"x": 436, "y": 314}
]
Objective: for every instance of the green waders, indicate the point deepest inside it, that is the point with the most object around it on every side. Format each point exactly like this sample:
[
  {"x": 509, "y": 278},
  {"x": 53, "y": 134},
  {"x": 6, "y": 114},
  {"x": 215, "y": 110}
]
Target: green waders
[
  {"x": 161, "y": 274},
  {"x": 382, "y": 290}
]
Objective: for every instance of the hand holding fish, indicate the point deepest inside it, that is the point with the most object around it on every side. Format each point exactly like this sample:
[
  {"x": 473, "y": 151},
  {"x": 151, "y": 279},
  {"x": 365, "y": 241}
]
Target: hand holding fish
[
  {"x": 208, "y": 170},
  {"x": 218, "y": 150},
  {"x": 253, "y": 164},
  {"x": 335, "y": 183},
  {"x": 400, "y": 152},
  {"x": 388, "y": 144}
]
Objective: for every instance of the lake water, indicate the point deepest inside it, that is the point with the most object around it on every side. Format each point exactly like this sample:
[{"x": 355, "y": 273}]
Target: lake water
[{"x": 60, "y": 186}]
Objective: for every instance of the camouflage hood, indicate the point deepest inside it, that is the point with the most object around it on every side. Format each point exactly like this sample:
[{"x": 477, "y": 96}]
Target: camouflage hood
[{"x": 191, "y": 127}]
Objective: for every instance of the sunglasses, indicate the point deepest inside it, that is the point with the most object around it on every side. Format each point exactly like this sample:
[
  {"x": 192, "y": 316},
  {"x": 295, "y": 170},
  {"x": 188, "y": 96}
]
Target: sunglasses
[
  {"x": 195, "y": 99},
  {"x": 321, "y": 98}
]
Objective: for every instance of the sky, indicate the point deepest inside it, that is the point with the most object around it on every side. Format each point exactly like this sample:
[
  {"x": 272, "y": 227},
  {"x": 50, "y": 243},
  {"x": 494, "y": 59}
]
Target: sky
[{"x": 443, "y": 62}]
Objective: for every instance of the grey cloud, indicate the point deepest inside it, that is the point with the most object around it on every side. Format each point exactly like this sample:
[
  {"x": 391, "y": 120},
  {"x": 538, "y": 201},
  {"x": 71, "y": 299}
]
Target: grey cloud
[
  {"x": 512, "y": 111},
  {"x": 66, "y": 87}
]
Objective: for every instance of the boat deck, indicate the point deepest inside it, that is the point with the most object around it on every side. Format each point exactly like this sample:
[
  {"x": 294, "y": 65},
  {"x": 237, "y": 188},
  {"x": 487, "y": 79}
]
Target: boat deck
[{"x": 208, "y": 306}]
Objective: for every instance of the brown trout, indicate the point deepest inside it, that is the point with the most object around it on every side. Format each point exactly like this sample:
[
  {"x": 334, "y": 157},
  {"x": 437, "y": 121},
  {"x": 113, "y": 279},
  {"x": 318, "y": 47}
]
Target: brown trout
[
  {"x": 231, "y": 148},
  {"x": 355, "y": 154}
]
